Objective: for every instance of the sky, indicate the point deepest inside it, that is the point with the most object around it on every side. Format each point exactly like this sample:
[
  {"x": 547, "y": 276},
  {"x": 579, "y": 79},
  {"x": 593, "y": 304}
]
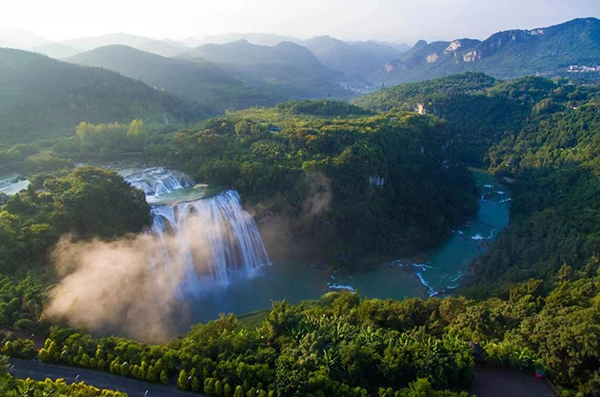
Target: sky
[{"x": 392, "y": 20}]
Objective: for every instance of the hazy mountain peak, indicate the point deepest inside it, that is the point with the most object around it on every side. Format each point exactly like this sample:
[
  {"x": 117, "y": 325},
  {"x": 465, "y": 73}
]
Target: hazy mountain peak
[
  {"x": 140, "y": 42},
  {"x": 267, "y": 39},
  {"x": 19, "y": 38}
]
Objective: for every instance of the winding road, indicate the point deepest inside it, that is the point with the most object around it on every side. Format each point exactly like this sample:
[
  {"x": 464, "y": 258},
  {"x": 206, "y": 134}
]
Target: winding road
[
  {"x": 41, "y": 371},
  {"x": 490, "y": 382}
]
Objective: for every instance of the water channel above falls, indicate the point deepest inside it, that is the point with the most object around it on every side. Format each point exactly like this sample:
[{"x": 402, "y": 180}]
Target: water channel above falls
[{"x": 234, "y": 286}]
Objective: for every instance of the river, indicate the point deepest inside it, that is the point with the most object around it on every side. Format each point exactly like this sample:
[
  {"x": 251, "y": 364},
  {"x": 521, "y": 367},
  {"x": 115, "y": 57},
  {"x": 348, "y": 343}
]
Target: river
[
  {"x": 435, "y": 272},
  {"x": 431, "y": 273}
]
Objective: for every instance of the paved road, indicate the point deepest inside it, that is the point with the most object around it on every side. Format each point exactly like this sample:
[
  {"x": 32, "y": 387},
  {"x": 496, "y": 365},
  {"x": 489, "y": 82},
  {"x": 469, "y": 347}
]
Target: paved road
[
  {"x": 490, "y": 382},
  {"x": 41, "y": 371},
  {"x": 495, "y": 382}
]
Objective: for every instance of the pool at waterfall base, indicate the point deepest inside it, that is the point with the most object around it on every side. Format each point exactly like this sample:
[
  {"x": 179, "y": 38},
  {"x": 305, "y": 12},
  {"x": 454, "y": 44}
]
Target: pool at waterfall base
[{"x": 232, "y": 272}]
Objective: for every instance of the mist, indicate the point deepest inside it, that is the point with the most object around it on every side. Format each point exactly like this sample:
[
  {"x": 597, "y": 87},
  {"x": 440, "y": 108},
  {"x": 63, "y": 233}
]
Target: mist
[
  {"x": 124, "y": 287},
  {"x": 142, "y": 286}
]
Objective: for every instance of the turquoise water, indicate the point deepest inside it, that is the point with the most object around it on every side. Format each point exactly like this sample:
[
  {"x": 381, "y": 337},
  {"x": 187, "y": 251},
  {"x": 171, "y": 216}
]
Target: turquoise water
[
  {"x": 441, "y": 269},
  {"x": 433, "y": 272},
  {"x": 430, "y": 273}
]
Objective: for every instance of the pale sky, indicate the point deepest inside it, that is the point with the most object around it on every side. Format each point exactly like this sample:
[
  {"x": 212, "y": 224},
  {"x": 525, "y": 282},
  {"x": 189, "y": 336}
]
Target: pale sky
[{"x": 397, "y": 20}]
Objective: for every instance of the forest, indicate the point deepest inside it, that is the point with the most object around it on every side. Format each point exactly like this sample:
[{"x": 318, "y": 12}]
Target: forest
[
  {"x": 395, "y": 181},
  {"x": 387, "y": 184},
  {"x": 344, "y": 345}
]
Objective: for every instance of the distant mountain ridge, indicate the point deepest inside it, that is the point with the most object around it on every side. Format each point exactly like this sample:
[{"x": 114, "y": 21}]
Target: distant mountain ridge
[
  {"x": 196, "y": 81},
  {"x": 267, "y": 39},
  {"x": 158, "y": 47},
  {"x": 509, "y": 54},
  {"x": 357, "y": 59},
  {"x": 41, "y": 97},
  {"x": 19, "y": 38},
  {"x": 24, "y": 40},
  {"x": 292, "y": 68},
  {"x": 263, "y": 68}
]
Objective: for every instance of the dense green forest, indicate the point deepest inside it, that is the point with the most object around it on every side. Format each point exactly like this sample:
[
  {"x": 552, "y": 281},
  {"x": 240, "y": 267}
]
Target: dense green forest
[
  {"x": 555, "y": 220},
  {"x": 344, "y": 345},
  {"x": 541, "y": 133},
  {"x": 480, "y": 109},
  {"x": 88, "y": 202},
  {"x": 369, "y": 175},
  {"x": 355, "y": 186}
]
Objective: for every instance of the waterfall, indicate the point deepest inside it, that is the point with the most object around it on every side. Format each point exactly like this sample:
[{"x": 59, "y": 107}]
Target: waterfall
[
  {"x": 201, "y": 242},
  {"x": 158, "y": 181},
  {"x": 214, "y": 237}
]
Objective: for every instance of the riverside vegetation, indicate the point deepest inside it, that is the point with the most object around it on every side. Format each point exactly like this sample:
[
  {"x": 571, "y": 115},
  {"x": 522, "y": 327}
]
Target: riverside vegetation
[{"x": 532, "y": 300}]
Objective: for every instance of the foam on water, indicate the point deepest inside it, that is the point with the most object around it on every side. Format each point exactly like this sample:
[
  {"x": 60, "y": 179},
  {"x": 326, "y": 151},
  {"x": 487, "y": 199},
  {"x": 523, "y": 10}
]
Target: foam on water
[
  {"x": 12, "y": 184},
  {"x": 342, "y": 287},
  {"x": 157, "y": 181}
]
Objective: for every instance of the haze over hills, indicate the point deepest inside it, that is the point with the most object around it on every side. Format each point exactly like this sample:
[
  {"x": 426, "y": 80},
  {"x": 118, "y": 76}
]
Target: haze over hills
[
  {"x": 509, "y": 54},
  {"x": 289, "y": 66},
  {"x": 358, "y": 59},
  {"x": 322, "y": 65},
  {"x": 139, "y": 42},
  {"x": 20, "y": 38},
  {"x": 24, "y": 40},
  {"x": 198, "y": 81},
  {"x": 42, "y": 97},
  {"x": 239, "y": 74},
  {"x": 268, "y": 39}
]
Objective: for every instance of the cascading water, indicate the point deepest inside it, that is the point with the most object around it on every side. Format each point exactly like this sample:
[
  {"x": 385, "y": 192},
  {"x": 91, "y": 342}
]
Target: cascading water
[
  {"x": 204, "y": 241},
  {"x": 158, "y": 181}
]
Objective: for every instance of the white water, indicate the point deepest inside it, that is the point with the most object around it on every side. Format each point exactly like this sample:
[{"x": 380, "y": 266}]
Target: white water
[
  {"x": 156, "y": 181},
  {"x": 204, "y": 240},
  {"x": 12, "y": 184}
]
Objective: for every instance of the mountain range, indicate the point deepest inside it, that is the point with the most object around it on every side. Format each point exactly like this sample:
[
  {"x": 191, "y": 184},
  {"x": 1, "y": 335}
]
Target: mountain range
[
  {"x": 566, "y": 49},
  {"x": 41, "y": 97},
  {"x": 292, "y": 68},
  {"x": 289, "y": 67},
  {"x": 71, "y": 47},
  {"x": 357, "y": 59},
  {"x": 131, "y": 79},
  {"x": 198, "y": 82}
]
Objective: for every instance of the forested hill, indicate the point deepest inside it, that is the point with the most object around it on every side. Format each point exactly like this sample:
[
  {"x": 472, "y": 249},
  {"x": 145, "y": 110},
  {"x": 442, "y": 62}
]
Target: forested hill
[
  {"x": 338, "y": 174},
  {"x": 555, "y": 161},
  {"x": 509, "y": 54},
  {"x": 479, "y": 113},
  {"x": 41, "y": 97},
  {"x": 198, "y": 81},
  {"x": 293, "y": 69},
  {"x": 542, "y": 133}
]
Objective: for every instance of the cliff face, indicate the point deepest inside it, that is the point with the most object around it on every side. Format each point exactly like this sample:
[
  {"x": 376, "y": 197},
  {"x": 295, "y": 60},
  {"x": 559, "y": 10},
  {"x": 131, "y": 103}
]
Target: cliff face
[{"x": 507, "y": 54}]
